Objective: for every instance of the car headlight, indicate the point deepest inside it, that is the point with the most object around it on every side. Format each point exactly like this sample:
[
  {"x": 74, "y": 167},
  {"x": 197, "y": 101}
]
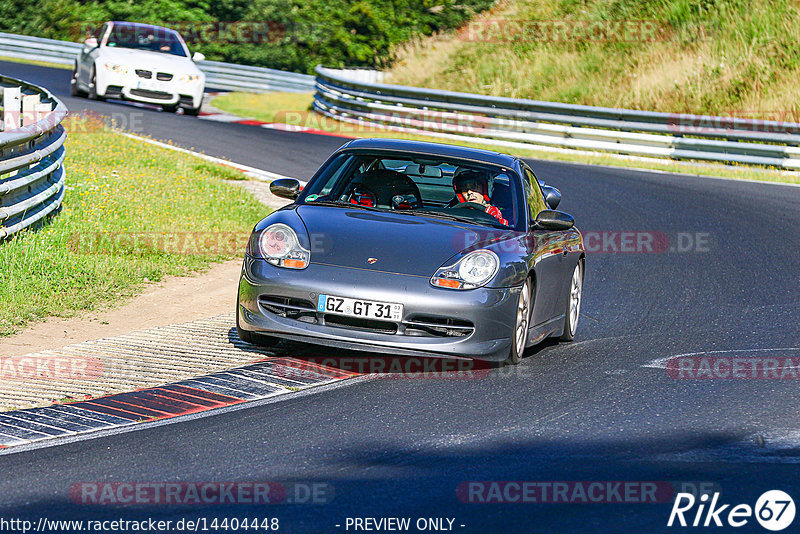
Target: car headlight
[
  {"x": 473, "y": 270},
  {"x": 189, "y": 77},
  {"x": 114, "y": 67},
  {"x": 279, "y": 245}
]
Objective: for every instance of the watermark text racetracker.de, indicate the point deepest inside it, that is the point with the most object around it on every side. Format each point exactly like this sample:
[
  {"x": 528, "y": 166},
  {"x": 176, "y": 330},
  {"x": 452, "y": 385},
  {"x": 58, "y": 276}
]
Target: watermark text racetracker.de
[
  {"x": 755, "y": 121},
  {"x": 207, "y": 493},
  {"x": 414, "y": 119},
  {"x": 645, "y": 242},
  {"x": 398, "y": 367},
  {"x": 193, "y": 32},
  {"x": 50, "y": 367},
  {"x": 578, "y": 491},
  {"x": 733, "y": 367},
  {"x": 86, "y": 122},
  {"x": 573, "y": 31},
  {"x": 178, "y": 243},
  {"x": 600, "y": 242}
]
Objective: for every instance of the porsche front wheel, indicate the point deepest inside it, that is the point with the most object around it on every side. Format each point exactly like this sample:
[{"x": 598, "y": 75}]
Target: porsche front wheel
[
  {"x": 519, "y": 337},
  {"x": 573, "y": 311}
]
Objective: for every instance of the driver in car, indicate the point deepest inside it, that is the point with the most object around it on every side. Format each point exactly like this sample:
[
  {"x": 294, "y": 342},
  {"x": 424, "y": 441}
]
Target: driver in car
[{"x": 473, "y": 186}]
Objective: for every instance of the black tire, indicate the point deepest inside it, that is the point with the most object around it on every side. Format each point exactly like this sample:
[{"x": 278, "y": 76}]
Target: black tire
[
  {"x": 194, "y": 112},
  {"x": 519, "y": 336},
  {"x": 73, "y": 84},
  {"x": 573, "y": 308},
  {"x": 93, "y": 88},
  {"x": 244, "y": 335},
  {"x": 253, "y": 338}
]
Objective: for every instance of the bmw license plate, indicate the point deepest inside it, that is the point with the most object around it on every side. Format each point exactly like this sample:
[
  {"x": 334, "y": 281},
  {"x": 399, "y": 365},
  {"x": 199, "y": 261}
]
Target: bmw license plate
[
  {"x": 149, "y": 85},
  {"x": 367, "y": 309}
]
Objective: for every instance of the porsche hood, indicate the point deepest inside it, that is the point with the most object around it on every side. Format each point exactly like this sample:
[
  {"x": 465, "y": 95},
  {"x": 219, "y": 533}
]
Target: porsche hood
[{"x": 389, "y": 241}]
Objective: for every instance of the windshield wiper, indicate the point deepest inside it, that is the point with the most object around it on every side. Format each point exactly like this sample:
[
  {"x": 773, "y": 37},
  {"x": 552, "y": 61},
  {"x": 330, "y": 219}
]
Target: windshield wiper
[
  {"x": 452, "y": 217},
  {"x": 343, "y": 204}
]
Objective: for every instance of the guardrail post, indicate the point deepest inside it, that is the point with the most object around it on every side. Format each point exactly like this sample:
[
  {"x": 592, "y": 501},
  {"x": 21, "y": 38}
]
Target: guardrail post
[
  {"x": 42, "y": 110},
  {"x": 29, "y": 104},
  {"x": 12, "y": 104}
]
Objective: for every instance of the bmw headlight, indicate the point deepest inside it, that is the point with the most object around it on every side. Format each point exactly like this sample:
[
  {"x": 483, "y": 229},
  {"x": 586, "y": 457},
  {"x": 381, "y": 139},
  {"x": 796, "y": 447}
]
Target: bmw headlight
[
  {"x": 189, "y": 77},
  {"x": 279, "y": 245},
  {"x": 115, "y": 67},
  {"x": 473, "y": 270}
]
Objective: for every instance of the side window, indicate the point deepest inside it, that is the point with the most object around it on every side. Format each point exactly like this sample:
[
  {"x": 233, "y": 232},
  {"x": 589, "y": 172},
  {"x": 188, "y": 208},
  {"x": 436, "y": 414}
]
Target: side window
[
  {"x": 534, "y": 194},
  {"x": 332, "y": 175}
]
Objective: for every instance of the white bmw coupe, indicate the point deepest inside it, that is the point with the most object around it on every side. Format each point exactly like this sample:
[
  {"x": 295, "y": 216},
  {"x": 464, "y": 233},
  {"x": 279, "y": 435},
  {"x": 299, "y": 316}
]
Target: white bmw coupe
[{"x": 141, "y": 62}]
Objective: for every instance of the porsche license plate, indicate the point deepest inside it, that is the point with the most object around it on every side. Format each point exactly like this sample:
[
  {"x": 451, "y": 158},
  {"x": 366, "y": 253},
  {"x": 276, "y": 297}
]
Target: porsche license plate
[{"x": 366, "y": 309}]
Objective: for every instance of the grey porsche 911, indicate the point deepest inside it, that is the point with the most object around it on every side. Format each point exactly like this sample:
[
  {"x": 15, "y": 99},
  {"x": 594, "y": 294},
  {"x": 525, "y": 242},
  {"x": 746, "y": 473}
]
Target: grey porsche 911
[{"x": 414, "y": 249}]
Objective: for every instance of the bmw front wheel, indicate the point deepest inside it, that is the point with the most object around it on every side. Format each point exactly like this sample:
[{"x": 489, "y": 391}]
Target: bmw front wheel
[
  {"x": 93, "y": 95},
  {"x": 73, "y": 84}
]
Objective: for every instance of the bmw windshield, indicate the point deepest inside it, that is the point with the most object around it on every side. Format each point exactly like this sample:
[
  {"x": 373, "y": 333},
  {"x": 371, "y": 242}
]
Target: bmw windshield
[{"x": 144, "y": 37}]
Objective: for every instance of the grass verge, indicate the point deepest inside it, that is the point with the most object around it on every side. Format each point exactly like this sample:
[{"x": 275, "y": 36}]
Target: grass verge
[
  {"x": 35, "y": 62},
  {"x": 267, "y": 107},
  {"x": 293, "y": 109},
  {"x": 132, "y": 213},
  {"x": 732, "y": 58}
]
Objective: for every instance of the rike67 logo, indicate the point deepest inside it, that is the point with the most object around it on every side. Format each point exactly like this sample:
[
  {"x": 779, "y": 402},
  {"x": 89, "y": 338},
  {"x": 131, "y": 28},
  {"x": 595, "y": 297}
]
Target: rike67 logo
[{"x": 774, "y": 510}]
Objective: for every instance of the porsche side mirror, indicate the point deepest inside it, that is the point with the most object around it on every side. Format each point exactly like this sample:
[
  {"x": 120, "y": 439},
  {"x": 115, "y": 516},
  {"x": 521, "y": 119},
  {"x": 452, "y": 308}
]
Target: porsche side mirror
[
  {"x": 91, "y": 42},
  {"x": 285, "y": 187},
  {"x": 197, "y": 56},
  {"x": 552, "y": 196},
  {"x": 554, "y": 220}
]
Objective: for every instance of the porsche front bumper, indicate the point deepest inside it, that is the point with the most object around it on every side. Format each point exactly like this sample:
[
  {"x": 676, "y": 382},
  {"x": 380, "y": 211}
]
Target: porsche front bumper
[{"x": 490, "y": 312}]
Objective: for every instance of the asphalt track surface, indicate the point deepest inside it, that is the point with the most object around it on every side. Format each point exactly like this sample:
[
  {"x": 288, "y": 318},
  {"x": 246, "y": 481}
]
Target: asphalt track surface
[{"x": 585, "y": 411}]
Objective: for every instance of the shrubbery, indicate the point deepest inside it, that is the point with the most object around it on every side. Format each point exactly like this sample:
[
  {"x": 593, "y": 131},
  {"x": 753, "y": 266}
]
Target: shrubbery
[{"x": 304, "y": 32}]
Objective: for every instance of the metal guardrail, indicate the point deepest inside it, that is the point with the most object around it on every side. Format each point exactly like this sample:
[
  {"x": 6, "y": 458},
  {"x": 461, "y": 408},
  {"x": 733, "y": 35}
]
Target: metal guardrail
[
  {"x": 523, "y": 123},
  {"x": 219, "y": 75},
  {"x": 35, "y": 48},
  {"x": 32, "y": 177},
  {"x": 254, "y": 79}
]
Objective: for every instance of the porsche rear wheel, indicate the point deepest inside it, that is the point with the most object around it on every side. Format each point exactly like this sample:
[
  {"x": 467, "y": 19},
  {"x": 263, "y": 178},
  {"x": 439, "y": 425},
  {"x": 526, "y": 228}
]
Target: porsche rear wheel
[
  {"x": 519, "y": 337},
  {"x": 573, "y": 311}
]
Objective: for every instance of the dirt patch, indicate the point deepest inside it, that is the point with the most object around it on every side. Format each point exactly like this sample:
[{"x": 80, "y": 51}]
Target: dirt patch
[{"x": 173, "y": 300}]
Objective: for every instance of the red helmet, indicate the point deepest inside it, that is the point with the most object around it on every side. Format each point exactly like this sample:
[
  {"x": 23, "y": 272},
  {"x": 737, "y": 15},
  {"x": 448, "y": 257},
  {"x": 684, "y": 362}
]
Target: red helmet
[
  {"x": 363, "y": 196},
  {"x": 473, "y": 180}
]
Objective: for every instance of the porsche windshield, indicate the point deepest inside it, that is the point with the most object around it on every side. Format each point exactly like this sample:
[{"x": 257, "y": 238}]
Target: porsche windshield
[
  {"x": 421, "y": 185},
  {"x": 143, "y": 37}
]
